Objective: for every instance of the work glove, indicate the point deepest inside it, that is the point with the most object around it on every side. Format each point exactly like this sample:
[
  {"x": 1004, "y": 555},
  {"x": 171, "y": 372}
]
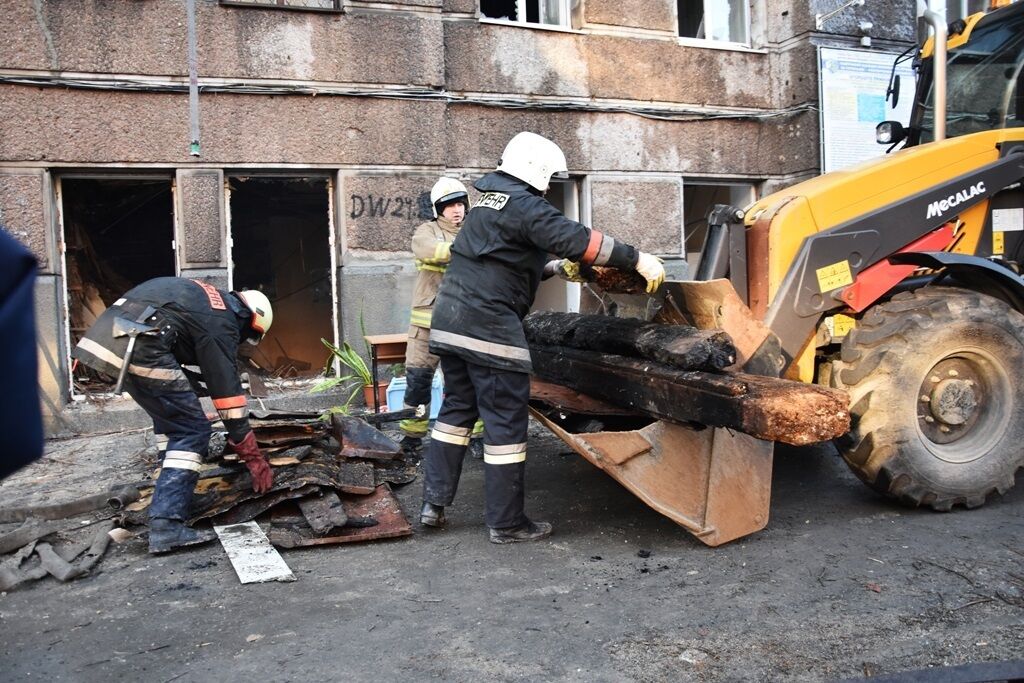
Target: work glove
[
  {"x": 259, "y": 468},
  {"x": 565, "y": 269},
  {"x": 652, "y": 270}
]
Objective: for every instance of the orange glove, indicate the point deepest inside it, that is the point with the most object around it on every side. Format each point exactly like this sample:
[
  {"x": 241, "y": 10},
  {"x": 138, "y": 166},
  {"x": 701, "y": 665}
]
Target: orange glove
[{"x": 259, "y": 468}]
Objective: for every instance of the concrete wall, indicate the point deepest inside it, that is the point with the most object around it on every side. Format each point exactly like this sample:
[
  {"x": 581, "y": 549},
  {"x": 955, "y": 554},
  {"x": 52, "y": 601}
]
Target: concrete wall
[{"x": 460, "y": 88}]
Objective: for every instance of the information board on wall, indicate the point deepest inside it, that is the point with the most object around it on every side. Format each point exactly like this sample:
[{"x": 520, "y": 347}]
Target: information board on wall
[{"x": 852, "y": 85}]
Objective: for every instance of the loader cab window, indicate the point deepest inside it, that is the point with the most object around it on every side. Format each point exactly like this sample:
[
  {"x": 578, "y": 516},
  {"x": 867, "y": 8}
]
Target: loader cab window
[{"x": 983, "y": 83}]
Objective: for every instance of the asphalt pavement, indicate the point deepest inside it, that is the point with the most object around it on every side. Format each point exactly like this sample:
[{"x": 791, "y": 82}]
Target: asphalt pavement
[{"x": 841, "y": 584}]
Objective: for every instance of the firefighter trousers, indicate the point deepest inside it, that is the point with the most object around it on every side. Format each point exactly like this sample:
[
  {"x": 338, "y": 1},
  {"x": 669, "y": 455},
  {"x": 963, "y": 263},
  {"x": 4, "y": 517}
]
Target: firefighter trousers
[
  {"x": 500, "y": 398},
  {"x": 183, "y": 437}
]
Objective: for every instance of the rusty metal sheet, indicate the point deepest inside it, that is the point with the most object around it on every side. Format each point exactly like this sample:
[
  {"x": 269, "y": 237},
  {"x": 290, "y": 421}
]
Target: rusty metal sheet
[
  {"x": 288, "y": 528},
  {"x": 713, "y": 482},
  {"x": 217, "y": 495}
]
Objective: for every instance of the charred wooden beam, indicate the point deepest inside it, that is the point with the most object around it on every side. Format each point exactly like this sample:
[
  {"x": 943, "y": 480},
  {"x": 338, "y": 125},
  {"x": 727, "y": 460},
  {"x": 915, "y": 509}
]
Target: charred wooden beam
[
  {"x": 765, "y": 407},
  {"x": 679, "y": 346}
]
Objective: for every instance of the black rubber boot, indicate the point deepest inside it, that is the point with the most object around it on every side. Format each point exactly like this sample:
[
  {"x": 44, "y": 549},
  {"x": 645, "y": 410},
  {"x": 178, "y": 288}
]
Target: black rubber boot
[
  {"x": 476, "y": 448},
  {"x": 530, "y": 531},
  {"x": 433, "y": 515},
  {"x": 167, "y": 534}
]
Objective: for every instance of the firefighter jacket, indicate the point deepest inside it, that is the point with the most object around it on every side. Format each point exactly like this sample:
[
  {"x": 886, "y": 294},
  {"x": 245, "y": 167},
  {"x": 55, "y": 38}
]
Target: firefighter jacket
[
  {"x": 431, "y": 245},
  {"x": 196, "y": 346},
  {"x": 496, "y": 266}
]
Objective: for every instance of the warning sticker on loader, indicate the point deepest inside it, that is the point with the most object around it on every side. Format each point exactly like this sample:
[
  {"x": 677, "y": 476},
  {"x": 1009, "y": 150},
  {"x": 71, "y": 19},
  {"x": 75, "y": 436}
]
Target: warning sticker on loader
[
  {"x": 840, "y": 325},
  {"x": 834, "y": 276},
  {"x": 998, "y": 243}
]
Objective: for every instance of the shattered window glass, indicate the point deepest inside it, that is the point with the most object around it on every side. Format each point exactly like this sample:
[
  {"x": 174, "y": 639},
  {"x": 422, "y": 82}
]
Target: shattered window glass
[
  {"x": 725, "y": 21},
  {"x": 542, "y": 12}
]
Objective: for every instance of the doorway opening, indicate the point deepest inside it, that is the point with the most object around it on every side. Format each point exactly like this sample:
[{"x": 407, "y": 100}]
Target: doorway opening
[
  {"x": 555, "y": 294},
  {"x": 118, "y": 233},
  {"x": 281, "y": 245}
]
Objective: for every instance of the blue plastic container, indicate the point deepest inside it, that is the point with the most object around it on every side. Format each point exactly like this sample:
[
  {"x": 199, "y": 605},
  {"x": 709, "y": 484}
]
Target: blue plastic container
[{"x": 396, "y": 395}]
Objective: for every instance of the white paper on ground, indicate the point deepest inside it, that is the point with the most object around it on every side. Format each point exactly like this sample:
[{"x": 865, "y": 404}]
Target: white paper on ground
[{"x": 252, "y": 556}]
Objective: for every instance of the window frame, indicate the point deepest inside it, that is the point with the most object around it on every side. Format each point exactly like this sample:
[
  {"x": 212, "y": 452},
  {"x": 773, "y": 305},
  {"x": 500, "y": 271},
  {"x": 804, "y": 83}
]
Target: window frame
[
  {"x": 746, "y": 44},
  {"x": 252, "y": 4},
  {"x": 566, "y": 12}
]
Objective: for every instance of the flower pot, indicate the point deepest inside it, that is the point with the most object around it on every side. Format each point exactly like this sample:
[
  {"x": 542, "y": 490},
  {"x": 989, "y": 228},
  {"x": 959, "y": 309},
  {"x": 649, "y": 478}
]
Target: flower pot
[{"x": 382, "y": 396}]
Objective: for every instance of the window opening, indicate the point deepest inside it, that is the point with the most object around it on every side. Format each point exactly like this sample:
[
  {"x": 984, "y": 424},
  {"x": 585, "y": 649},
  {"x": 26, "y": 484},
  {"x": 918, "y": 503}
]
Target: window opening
[
  {"x": 280, "y": 234},
  {"x": 718, "y": 20},
  {"x": 542, "y": 12},
  {"x": 698, "y": 198},
  {"x": 118, "y": 233}
]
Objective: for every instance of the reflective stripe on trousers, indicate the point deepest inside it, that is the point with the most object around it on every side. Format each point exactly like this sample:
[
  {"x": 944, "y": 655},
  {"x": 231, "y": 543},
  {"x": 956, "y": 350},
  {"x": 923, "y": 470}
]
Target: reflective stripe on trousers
[{"x": 499, "y": 398}]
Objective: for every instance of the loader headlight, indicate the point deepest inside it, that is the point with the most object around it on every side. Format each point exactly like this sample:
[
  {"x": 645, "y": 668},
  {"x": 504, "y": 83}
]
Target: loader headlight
[{"x": 890, "y": 132}]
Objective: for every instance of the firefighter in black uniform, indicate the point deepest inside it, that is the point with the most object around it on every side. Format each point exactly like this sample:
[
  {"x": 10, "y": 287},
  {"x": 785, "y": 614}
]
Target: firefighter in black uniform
[
  {"x": 497, "y": 261},
  {"x": 187, "y": 341}
]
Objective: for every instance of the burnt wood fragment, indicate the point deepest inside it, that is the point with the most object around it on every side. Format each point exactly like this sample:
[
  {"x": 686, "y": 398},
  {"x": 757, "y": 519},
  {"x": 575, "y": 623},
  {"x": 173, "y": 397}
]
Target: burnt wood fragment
[
  {"x": 765, "y": 407},
  {"x": 323, "y": 512},
  {"x": 679, "y": 346}
]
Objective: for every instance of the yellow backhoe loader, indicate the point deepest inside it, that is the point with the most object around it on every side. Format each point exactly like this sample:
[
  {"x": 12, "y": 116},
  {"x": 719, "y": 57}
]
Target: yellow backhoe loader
[{"x": 896, "y": 280}]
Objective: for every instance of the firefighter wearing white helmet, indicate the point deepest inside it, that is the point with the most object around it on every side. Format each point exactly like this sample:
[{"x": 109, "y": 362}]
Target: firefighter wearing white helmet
[
  {"x": 431, "y": 245},
  {"x": 187, "y": 339},
  {"x": 496, "y": 264},
  {"x": 262, "y": 313}
]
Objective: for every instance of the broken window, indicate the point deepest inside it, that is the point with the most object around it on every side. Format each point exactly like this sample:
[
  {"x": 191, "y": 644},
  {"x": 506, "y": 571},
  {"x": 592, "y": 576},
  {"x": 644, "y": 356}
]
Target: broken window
[
  {"x": 725, "y": 21},
  {"x": 281, "y": 245},
  {"x": 544, "y": 12},
  {"x": 289, "y": 4},
  {"x": 698, "y": 199},
  {"x": 118, "y": 233}
]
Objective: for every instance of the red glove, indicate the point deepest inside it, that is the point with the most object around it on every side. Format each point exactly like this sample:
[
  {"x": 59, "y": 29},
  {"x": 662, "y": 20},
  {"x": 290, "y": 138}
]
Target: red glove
[{"x": 259, "y": 468}]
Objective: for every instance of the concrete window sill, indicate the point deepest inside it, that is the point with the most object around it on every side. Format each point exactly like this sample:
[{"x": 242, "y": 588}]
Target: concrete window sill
[
  {"x": 523, "y": 24},
  {"x": 259, "y": 5}
]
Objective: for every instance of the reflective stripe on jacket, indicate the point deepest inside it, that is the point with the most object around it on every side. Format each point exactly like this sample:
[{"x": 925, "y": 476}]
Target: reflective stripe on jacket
[
  {"x": 431, "y": 247},
  {"x": 496, "y": 267}
]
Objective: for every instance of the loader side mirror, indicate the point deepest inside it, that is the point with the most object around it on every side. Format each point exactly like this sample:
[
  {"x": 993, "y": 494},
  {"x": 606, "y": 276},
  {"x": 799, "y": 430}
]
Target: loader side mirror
[
  {"x": 890, "y": 133},
  {"x": 894, "y": 89}
]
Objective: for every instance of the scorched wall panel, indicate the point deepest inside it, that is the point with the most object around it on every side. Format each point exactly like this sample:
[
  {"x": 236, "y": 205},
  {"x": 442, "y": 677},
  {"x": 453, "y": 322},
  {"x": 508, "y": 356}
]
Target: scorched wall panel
[
  {"x": 510, "y": 59},
  {"x": 149, "y": 37},
  {"x": 623, "y": 142},
  {"x": 78, "y": 126}
]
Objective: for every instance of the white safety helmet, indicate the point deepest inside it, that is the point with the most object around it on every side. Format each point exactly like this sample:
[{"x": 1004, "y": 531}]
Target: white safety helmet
[
  {"x": 534, "y": 160},
  {"x": 262, "y": 313},
  {"x": 445, "y": 191}
]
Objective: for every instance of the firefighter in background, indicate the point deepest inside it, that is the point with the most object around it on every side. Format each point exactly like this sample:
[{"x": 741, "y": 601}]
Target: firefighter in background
[
  {"x": 497, "y": 261},
  {"x": 431, "y": 245},
  {"x": 175, "y": 322}
]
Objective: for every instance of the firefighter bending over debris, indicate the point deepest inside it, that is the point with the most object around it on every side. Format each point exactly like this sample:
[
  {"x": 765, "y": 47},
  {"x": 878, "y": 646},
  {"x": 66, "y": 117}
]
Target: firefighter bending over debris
[
  {"x": 497, "y": 261},
  {"x": 145, "y": 338},
  {"x": 431, "y": 247}
]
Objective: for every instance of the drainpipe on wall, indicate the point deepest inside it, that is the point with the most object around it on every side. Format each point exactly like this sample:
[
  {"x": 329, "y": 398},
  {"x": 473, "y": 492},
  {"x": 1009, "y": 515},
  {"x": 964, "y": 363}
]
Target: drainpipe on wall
[{"x": 193, "y": 79}]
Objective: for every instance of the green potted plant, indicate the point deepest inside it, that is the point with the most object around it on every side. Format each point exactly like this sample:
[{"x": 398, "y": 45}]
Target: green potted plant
[{"x": 359, "y": 374}]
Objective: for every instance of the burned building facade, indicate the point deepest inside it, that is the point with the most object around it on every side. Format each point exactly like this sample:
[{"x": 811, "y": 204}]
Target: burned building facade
[{"x": 323, "y": 123}]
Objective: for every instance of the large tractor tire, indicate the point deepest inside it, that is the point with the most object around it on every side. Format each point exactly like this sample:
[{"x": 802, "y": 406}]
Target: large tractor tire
[{"x": 936, "y": 384}]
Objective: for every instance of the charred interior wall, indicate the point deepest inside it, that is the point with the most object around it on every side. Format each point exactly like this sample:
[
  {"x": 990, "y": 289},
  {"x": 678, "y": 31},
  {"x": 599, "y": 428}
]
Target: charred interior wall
[{"x": 384, "y": 97}]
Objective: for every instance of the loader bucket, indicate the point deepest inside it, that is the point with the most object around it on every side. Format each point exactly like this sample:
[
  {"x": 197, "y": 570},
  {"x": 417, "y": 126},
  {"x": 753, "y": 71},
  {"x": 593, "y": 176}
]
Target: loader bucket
[{"x": 714, "y": 482}]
